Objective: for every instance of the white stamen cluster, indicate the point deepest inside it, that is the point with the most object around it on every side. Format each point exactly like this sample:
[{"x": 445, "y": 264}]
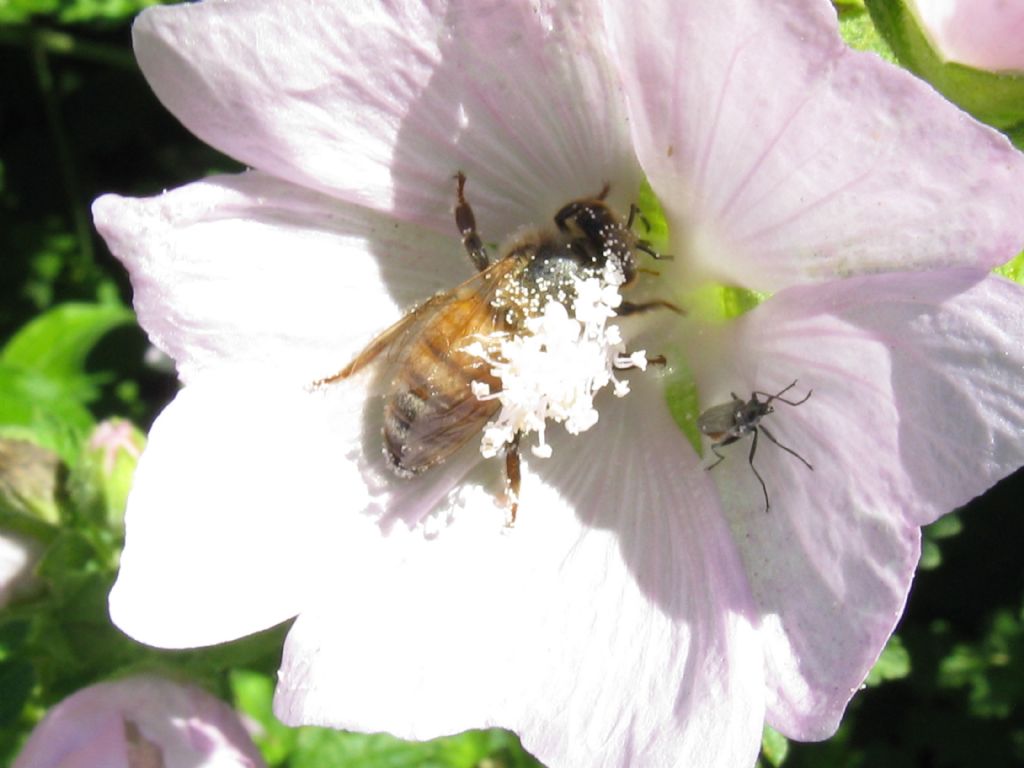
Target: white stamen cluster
[{"x": 555, "y": 368}]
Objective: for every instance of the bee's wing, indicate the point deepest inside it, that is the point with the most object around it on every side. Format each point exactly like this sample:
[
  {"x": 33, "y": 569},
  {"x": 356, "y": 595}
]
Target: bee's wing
[
  {"x": 387, "y": 340},
  {"x": 479, "y": 287},
  {"x": 431, "y": 409}
]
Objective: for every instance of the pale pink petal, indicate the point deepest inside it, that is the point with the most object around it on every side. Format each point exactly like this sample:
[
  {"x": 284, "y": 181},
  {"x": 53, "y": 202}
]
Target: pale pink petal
[
  {"x": 380, "y": 103},
  {"x": 986, "y": 34},
  {"x": 782, "y": 157},
  {"x": 240, "y": 500},
  {"x": 98, "y": 726},
  {"x": 916, "y": 409},
  {"x": 616, "y": 634},
  {"x": 256, "y": 274},
  {"x": 243, "y": 470}
]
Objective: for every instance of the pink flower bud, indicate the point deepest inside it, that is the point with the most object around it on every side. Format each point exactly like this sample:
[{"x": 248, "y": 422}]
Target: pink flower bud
[
  {"x": 140, "y": 722},
  {"x": 984, "y": 34}
]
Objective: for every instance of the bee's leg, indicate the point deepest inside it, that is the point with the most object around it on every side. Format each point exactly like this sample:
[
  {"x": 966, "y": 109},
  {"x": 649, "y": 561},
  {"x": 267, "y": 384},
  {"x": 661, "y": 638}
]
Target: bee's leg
[
  {"x": 630, "y": 308},
  {"x": 466, "y": 222},
  {"x": 646, "y": 247},
  {"x": 513, "y": 477}
]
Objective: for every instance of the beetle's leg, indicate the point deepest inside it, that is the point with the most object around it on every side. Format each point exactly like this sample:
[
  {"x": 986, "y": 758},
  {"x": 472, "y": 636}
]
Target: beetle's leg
[
  {"x": 750, "y": 460},
  {"x": 790, "y": 451},
  {"x": 721, "y": 458},
  {"x": 466, "y": 222}
]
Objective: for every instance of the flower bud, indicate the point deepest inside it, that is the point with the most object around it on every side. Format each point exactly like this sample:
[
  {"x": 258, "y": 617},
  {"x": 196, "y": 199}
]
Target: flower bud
[
  {"x": 984, "y": 34},
  {"x": 30, "y": 480},
  {"x": 140, "y": 721},
  {"x": 103, "y": 477}
]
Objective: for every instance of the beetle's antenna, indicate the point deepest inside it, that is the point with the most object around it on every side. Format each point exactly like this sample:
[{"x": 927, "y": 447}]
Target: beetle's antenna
[{"x": 779, "y": 395}]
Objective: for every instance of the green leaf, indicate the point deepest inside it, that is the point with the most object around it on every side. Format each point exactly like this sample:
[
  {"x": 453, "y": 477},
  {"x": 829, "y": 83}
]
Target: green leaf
[
  {"x": 253, "y": 693},
  {"x": 859, "y": 31},
  {"x": 992, "y": 669},
  {"x": 56, "y": 343},
  {"x": 996, "y": 99},
  {"x": 12, "y": 638},
  {"x": 931, "y": 556},
  {"x": 893, "y": 664},
  {"x": 319, "y": 747},
  {"x": 41, "y": 409},
  {"x": 946, "y": 527},
  {"x": 69, "y": 556},
  {"x": 774, "y": 747},
  {"x": 1016, "y": 135},
  {"x": 16, "y": 681},
  {"x": 18, "y": 11}
]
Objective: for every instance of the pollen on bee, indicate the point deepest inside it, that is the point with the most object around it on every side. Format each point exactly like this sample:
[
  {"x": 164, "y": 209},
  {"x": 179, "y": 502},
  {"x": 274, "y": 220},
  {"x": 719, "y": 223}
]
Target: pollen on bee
[{"x": 554, "y": 369}]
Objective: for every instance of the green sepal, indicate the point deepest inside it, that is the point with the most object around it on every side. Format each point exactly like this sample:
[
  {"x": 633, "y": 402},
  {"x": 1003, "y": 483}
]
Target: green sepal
[
  {"x": 714, "y": 303},
  {"x": 99, "y": 484},
  {"x": 683, "y": 401},
  {"x": 652, "y": 226},
  {"x": 1013, "y": 269}
]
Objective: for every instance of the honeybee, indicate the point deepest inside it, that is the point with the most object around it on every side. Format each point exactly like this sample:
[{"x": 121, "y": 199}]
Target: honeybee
[
  {"x": 726, "y": 423},
  {"x": 430, "y": 408}
]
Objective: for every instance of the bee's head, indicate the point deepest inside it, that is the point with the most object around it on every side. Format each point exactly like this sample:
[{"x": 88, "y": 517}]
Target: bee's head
[{"x": 599, "y": 233}]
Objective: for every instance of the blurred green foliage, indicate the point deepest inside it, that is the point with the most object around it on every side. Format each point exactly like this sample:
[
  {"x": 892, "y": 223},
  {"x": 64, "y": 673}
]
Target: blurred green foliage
[
  {"x": 858, "y": 30},
  {"x": 76, "y": 120},
  {"x": 318, "y": 747},
  {"x": 70, "y": 11}
]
